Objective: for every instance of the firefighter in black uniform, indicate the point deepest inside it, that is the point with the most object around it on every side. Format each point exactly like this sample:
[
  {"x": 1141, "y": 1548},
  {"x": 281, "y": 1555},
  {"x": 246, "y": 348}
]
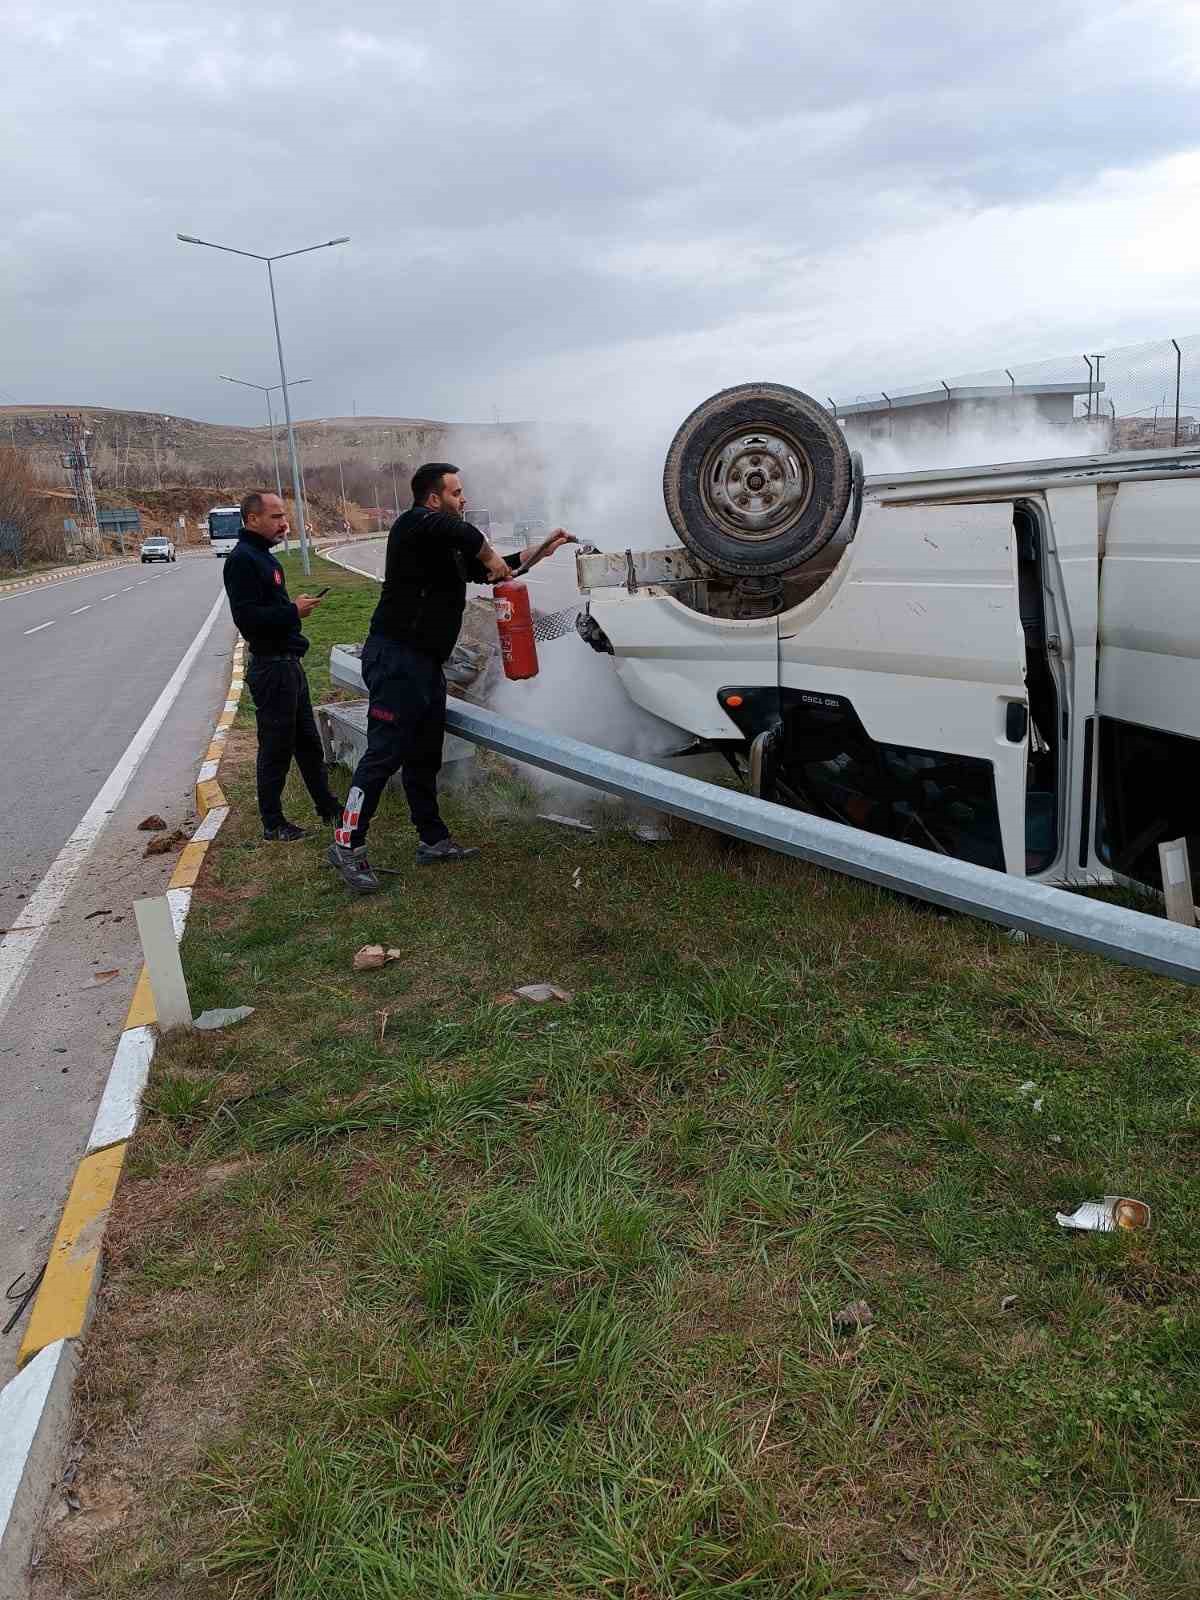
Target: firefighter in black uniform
[
  {"x": 432, "y": 554},
  {"x": 270, "y": 624}
]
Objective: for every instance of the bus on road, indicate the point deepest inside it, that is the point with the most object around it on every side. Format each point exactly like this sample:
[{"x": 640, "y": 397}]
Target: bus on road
[{"x": 224, "y": 524}]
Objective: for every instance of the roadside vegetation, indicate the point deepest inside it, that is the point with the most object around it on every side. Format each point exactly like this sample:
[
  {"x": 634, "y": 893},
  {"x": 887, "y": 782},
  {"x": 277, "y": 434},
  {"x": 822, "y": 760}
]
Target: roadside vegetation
[
  {"x": 31, "y": 532},
  {"x": 413, "y": 1291}
]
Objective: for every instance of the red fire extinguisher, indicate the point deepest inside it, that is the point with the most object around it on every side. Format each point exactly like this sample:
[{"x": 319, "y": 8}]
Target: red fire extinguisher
[{"x": 514, "y": 624}]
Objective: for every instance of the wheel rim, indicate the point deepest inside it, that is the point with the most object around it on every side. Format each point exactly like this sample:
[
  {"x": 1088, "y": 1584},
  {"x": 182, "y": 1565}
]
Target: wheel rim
[{"x": 756, "y": 484}]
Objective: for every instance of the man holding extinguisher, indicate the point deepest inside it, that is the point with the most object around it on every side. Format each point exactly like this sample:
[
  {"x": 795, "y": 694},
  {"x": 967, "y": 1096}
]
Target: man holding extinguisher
[{"x": 432, "y": 554}]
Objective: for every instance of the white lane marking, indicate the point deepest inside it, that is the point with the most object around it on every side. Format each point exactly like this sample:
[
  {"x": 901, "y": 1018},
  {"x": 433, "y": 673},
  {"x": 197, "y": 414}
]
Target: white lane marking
[
  {"x": 130, "y": 589},
  {"x": 139, "y": 583},
  {"x": 350, "y": 567},
  {"x": 81, "y": 610},
  {"x": 40, "y": 626},
  {"x": 18, "y": 945},
  {"x": 111, "y": 596},
  {"x": 40, "y": 588}
]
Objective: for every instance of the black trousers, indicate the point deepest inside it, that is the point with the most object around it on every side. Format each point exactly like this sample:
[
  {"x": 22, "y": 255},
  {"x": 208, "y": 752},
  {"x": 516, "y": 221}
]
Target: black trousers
[
  {"x": 286, "y": 730},
  {"x": 406, "y": 725}
]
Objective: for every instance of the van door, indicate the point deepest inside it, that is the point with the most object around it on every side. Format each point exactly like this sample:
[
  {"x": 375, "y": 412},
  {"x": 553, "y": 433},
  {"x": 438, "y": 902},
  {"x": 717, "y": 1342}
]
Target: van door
[
  {"x": 1148, "y": 698},
  {"x": 902, "y": 684}
]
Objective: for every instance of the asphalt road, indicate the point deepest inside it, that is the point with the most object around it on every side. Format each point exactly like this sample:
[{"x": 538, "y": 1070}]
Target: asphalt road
[{"x": 83, "y": 663}]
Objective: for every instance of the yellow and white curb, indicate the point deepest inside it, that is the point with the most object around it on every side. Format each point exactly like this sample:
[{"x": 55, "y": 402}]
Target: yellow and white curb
[
  {"x": 59, "y": 573},
  {"x": 37, "y": 1400}
]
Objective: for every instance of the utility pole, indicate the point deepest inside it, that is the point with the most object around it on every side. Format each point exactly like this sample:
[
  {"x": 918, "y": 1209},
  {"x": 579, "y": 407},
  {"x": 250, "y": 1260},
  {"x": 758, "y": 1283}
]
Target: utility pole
[
  {"x": 297, "y": 475},
  {"x": 268, "y": 390},
  {"x": 75, "y": 460}
]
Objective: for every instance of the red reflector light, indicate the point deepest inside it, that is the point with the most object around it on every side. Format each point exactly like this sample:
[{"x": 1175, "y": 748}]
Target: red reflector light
[{"x": 733, "y": 699}]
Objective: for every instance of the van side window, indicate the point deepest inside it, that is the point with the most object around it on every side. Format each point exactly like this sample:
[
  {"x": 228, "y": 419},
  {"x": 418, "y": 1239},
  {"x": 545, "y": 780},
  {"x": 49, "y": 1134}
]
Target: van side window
[
  {"x": 1148, "y": 786},
  {"x": 929, "y": 798}
]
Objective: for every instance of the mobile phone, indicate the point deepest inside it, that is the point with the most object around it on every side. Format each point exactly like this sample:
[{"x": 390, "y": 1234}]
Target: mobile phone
[{"x": 320, "y": 592}]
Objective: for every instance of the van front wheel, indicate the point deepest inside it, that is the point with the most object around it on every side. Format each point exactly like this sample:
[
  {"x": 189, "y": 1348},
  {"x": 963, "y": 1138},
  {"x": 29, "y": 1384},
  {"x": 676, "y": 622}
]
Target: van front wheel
[{"x": 757, "y": 479}]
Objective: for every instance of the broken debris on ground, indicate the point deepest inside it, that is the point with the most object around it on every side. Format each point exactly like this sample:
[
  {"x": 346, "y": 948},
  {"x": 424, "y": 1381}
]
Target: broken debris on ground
[{"x": 168, "y": 841}]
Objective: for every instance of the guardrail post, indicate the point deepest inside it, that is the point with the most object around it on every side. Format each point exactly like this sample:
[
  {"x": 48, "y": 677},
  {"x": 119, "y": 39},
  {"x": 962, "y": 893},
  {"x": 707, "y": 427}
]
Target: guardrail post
[
  {"x": 161, "y": 950},
  {"x": 1177, "y": 881}
]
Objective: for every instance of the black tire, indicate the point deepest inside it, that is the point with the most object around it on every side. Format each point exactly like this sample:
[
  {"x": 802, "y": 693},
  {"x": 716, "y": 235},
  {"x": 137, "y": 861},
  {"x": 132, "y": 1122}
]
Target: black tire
[{"x": 805, "y": 473}]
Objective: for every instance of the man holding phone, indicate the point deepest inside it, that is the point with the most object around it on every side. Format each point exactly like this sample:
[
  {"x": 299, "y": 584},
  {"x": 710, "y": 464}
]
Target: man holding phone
[{"x": 269, "y": 621}]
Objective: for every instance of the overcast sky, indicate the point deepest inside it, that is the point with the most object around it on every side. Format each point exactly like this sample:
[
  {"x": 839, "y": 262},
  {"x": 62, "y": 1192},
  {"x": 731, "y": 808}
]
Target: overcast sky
[{"x": 583, "y": 209}]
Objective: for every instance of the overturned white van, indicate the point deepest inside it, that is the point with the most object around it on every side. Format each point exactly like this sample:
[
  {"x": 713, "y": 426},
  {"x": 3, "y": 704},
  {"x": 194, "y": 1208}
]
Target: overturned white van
[{"x": 998, "y": 663}]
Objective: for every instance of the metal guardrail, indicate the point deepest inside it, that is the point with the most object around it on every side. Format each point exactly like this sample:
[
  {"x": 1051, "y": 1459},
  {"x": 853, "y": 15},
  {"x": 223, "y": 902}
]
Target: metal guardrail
[{"x": 1129, "y": 937}]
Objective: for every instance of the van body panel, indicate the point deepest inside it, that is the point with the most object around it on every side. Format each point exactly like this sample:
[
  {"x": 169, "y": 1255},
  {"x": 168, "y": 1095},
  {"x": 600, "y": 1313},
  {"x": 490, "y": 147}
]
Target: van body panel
[
  {"x": 917, "y": 627},
  {"x": 1150, "y": 608},
  {"x": 1071, "y": 587}
]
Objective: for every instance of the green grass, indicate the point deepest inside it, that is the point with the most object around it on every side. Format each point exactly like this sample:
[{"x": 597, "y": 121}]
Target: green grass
[
  {"x": 342, "y": 617},
  {"x": 414, "y": 1293}
]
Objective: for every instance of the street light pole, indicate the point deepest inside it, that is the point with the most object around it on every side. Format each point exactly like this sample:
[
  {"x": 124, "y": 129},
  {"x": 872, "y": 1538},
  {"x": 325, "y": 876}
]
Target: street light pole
[
  {"x": 291, "y": 437},
  {"x": 274, "y": 446},
  {"x": 297, "y": 486}
]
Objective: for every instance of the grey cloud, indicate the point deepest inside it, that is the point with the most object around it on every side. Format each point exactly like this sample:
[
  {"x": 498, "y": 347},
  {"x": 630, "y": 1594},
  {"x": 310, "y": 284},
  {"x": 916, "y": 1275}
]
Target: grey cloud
[{"x": 497, "y": 165}]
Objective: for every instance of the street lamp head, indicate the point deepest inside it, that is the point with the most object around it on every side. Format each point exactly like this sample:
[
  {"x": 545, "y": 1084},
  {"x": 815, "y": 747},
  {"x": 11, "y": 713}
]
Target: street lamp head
[
  {"x": 188, "y": 239},
  {"x": 345, "y": 239}
]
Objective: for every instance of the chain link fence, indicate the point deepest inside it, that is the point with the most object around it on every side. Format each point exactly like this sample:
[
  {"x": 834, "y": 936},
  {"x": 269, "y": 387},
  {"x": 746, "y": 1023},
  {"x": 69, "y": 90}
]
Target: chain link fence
[{"x": 1146, "y": 396}]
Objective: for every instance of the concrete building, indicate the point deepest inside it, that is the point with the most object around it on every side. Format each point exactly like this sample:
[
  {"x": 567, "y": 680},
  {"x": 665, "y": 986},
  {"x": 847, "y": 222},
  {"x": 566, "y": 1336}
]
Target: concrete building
[{"x": 950, "y": 409}]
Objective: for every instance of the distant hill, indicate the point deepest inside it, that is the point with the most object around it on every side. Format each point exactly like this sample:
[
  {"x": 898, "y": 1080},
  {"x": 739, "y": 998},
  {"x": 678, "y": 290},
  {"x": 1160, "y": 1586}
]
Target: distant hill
[{"x": 132, "y": 450}]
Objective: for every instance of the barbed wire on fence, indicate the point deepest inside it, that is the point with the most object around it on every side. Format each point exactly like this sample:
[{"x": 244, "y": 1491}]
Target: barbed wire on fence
[{"x": 1149, "y": 394}]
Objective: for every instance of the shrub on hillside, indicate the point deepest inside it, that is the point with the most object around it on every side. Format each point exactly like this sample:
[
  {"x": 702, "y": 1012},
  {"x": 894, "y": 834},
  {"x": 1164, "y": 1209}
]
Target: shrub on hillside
[{"x": 23, "y": 504}]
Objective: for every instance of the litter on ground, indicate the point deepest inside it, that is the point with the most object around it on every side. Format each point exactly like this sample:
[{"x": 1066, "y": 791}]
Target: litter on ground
[
  {"x": 540, "y": 993},
  {"x": 374, "y": 955},
  {"x": 168, "y": 841},
  {"x": 857, "y": 1314},
  {"x": 222, "y": 1017},
  {"x": 565, "y": 822},
  {"x": 1106, "y": 1216}
]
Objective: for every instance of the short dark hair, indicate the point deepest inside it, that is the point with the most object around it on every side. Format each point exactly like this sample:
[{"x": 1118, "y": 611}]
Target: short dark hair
[
  {"x": 252, "y": 503},
  {"x": 427, "y": 480}
]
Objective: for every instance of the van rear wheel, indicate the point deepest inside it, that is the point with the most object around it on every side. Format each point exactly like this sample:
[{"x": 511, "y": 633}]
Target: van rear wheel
[{"x": 757, "y": 479}]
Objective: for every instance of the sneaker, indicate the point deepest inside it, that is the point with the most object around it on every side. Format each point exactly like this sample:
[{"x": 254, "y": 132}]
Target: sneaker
[
  {"x": 356, "y": 871},
  {"x": 285, "y": 833},
  {"x": 431, "y": 855}
]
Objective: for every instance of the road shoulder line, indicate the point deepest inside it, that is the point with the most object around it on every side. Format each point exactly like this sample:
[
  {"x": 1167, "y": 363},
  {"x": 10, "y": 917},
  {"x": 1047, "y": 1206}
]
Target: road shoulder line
[{"x": 35, "y": 1406}]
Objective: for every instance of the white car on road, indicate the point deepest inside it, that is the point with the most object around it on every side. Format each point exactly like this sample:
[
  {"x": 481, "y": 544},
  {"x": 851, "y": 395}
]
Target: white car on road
[{"x": 157, "y": 548}]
